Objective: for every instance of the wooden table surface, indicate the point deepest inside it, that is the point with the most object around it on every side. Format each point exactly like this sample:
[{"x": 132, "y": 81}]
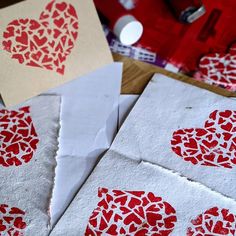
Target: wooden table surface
[{"x": 136, "y": 76}]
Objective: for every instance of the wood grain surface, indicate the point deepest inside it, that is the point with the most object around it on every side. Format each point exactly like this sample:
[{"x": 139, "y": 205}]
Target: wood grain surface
[{"x": 136, "y": 76}]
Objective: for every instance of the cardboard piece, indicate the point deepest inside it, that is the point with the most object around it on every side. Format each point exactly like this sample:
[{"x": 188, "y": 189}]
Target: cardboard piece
[
  {"x": 28, "y": 146},
  {"x": 47, "y": 43},
  {"x": 188, "y": 130},
  {"x": 124, "y": 197}
]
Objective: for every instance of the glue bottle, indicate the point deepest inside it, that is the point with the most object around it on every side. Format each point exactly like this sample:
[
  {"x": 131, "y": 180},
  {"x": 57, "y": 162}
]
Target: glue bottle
[{"x": 121, "y": 21}]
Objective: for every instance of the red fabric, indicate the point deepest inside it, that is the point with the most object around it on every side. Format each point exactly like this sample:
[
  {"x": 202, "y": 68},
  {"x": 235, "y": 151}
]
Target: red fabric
[
  {"x": 184, "y": 44},
  {"x": 111, "y": 9}
]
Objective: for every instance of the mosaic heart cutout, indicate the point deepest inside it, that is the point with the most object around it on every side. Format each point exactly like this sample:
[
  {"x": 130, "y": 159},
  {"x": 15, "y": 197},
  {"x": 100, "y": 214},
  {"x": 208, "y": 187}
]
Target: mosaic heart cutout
[
  {"x": 213, "y": 145},
  {"x": 18, "y": 138},
  {"x": 45, "y": 42},
  {"x": 12, "y": 221},
  {"x": 219, "y": 69},
  {"x": 214, "y": 221},
  {"x": 131, "y": 213}
]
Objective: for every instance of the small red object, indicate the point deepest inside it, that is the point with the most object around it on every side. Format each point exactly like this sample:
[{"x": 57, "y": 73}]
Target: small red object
[{"x": 121, "y": 21}]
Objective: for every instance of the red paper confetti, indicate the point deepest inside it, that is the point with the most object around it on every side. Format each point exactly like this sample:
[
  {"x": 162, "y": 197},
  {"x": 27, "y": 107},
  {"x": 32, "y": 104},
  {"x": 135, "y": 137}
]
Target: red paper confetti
[
  {"x": 214, "y": 221},
  {"x": 212, "y": 145},
  {"x": 18, "y": 138},
  {"x": 46, "y": 42},
  {"x": 219, "y": 69},
  {"x": 12, "y": 221},
  {"x": 136, "y": 213}
]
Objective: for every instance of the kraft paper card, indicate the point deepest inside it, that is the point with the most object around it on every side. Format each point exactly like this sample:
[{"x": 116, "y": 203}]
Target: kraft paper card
[
  {"x": 47, "y": 43},
  {"x": 28, "y": 146},
  {"x": 188, "y": 130},
  {"x": 128, "y": 197}
]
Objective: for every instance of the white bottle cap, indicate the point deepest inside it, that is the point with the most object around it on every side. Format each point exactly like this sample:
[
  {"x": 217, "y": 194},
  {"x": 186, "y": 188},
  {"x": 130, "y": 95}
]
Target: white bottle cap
[{"x": 128, "y": 30}]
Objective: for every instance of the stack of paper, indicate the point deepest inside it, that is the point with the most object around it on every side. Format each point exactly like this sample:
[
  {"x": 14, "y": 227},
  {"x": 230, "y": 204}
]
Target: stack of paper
[{"x": 145, "y": 185}]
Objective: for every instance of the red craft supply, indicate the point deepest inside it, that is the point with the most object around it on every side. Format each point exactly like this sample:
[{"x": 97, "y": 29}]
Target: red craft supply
[
  {"x": 121, "y": 21},
  {"x": 111, "y": 9},
  {"x": 184, "y": 44},
  {"x": 187, "y": 11}
]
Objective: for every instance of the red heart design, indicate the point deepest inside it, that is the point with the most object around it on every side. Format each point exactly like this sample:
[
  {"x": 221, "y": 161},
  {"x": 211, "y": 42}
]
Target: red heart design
[
  {"x": 45, "y": 42},
  {"x": 213, "y": 211},
  {"x": 18, "y": 139},
  {"x": 170, "y": 222},
  {"x": 135, "y": 213},
  {"x": 19, "y": 223},
  {"x": 132, "y": 228},
  {"x": 3, "y": 208},
  {"x": 8, "y": 219},
  {"x": 152, "y": 218},
  {"x": 213, "y": 221},
  {"x": 117, "y": 218},
  {"x": 213, "y": 145},
  {"x": 227, "y": 215},
  {"x": 11, "y": 221},
  {"x": 112, "y": 230},
  {"x": 132, "y": 218},
  {"x": 107, "y": 215},
  {"x": 2, "y": 227},
  {"x": 219, "y": 69}
]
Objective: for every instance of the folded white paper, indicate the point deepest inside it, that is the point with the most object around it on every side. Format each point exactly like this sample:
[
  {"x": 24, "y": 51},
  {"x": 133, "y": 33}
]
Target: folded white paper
[
  {"x": 127, "y": 197},
  {"x": 28, "y": 146},
  {"x": 88, "y": 124},
  {"x": 126, "y": 103},
  {"x": 185, "y": 129}
]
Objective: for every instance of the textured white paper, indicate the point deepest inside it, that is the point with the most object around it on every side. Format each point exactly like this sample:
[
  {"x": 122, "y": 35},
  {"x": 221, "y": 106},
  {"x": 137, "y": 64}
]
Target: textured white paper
[
  {"x": 88, "y": 124},
  {"x": 189, "y": 199},
  {"x": 28, "y": 186},
  {"x": 126, "y": 103},
  {"x": 166, "y": 106}
]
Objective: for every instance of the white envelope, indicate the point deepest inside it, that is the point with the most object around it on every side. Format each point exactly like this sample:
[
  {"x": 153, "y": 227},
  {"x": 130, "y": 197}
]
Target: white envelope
[{"x": 89, "y": 117}]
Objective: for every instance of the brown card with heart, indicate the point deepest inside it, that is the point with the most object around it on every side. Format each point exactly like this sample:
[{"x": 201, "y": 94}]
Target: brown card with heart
[{"x": 47, "y": 43}]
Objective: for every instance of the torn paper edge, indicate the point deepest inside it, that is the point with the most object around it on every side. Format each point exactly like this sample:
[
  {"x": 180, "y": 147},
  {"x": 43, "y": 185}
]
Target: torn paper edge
[
  {"x": 198, "y": 184},
  {"x": 73, "y": 198},
  {"x": 56, "y": 143}
]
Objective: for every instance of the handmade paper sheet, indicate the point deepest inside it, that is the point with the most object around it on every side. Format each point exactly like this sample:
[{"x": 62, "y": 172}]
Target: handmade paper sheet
[
  {"x": 128, "y": 197},
  {"x": 47, "y": 43},
  {"x": 88, "y": 126},
  {"x": 187, "y": 129},
  {"x": 28, "y": 146},
  {"x": 219, "y": 68}
]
